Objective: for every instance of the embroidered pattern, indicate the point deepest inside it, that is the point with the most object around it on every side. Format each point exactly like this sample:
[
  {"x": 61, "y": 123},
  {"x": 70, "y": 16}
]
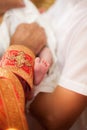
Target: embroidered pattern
[{"x": 20, "y": 59}]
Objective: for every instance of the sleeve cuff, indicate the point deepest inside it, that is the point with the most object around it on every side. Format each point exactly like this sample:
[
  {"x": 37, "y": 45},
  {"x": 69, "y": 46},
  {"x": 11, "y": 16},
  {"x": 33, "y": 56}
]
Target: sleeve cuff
[{"x": 73, "y": 86}]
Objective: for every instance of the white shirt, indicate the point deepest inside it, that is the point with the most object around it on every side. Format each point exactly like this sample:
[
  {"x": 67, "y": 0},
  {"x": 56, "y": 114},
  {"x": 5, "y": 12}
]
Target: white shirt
[{"x": 69, "y": 20}]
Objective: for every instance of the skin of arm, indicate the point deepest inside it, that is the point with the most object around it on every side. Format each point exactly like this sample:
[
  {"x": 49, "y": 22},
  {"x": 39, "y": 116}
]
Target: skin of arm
[
  {"x": 30, "y": 39},
  {"x": 10, "y": 4},
  {"x": 58, "y": 110}
]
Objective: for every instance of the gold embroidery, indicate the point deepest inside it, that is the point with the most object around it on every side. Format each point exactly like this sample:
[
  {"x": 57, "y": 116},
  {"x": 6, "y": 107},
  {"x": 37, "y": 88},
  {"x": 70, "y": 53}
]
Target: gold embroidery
[
  {"x": 20, "y": 59},
  {"x": 13, "y": 99},
  {"x": 11, "y": 58}
]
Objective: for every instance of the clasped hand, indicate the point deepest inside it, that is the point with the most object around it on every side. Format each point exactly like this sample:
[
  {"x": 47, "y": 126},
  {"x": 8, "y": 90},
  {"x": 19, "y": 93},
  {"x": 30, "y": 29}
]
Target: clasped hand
[{"x": 30, "y": 35}]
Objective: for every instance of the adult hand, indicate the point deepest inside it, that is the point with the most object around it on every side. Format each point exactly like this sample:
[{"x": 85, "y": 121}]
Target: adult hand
[
  {"x": 9, "y": 4},
  {"x": 31, "y": 35}
]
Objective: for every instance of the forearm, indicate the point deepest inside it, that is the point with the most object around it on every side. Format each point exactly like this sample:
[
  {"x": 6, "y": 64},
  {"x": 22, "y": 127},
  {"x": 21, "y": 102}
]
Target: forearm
[{"x": 58, "y": 110}]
